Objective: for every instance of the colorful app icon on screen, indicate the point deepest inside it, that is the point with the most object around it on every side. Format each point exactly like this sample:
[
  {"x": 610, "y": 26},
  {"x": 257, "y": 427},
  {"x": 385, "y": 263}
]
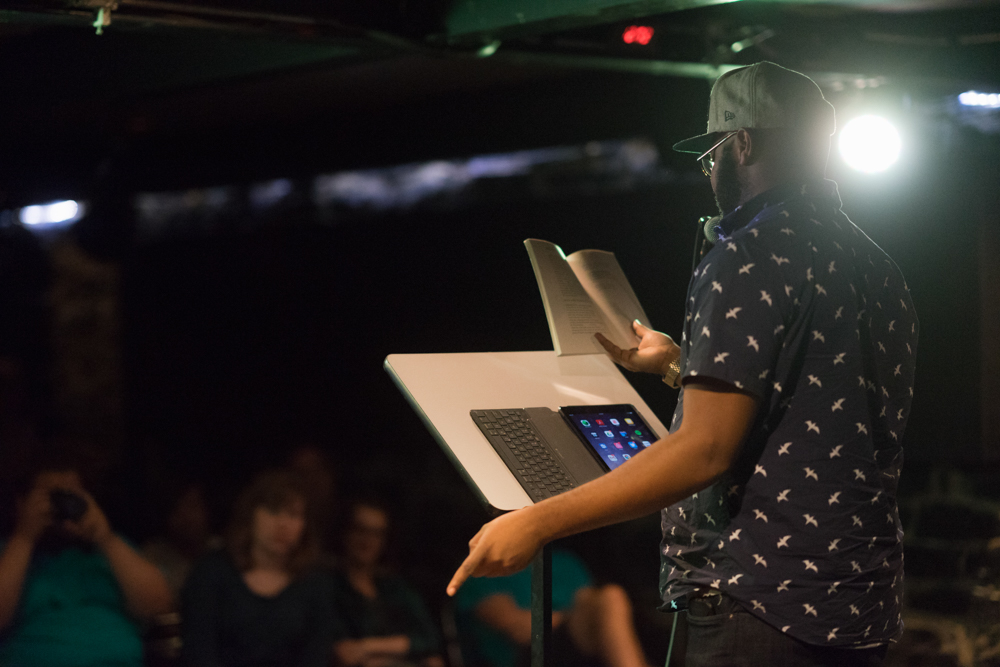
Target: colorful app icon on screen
[
  {"x": 585, "y": 423},
  {"x": 629, "y": 421},
  {"x": 631, "y": 443},
  {"x": 645, "y": 443},
  {"x": 618, "y": 445},
  {"x": 594, "y": 434},
  {"x": 612, "y": 457},
  {"x": 614, "y": 422},
  {"x": 627, "y": 457},
  {"x": 624, "y": 433},
  {"x": 609, "y": 434},
  {"x": 638, "y": 432},
  {"x": 603, "y": 446},
  {"x": 600, "y": 422}
]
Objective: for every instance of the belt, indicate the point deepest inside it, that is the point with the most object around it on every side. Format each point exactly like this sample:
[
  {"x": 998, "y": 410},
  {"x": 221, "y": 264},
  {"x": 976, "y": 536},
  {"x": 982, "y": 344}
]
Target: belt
[
  {"x": 703, "y": 592},
  {"x": 705, "y": 601}
]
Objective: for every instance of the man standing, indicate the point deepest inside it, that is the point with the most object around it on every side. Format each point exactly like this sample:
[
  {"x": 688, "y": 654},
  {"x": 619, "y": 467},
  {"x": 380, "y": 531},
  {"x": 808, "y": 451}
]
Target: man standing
[{"x": 779, "y": 474}]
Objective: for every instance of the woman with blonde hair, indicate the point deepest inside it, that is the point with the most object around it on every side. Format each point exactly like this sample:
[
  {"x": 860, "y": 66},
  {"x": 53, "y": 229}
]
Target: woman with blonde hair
[{"x": 261, "y": 601}]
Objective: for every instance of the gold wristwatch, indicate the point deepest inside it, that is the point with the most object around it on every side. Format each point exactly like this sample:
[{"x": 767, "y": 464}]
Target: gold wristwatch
[{"x": 673, "y": 374}]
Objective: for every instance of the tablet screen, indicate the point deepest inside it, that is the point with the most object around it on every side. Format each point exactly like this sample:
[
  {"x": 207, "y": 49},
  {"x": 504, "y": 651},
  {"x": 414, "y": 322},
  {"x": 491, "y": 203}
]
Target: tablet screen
[{"x": 615, "y": 433}]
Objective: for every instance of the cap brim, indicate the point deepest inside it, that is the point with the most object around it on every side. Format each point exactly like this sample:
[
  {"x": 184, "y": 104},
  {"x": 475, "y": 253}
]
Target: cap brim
[{"x": 697, "y": 145}]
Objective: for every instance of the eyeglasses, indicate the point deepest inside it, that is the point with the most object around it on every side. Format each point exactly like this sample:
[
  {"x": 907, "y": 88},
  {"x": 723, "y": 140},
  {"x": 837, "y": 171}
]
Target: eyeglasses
[{"x": 707, "y": 162}]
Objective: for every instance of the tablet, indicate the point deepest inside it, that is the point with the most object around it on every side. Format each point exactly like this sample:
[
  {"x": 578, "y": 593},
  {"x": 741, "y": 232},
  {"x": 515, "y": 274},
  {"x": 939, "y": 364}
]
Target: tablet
[{"x": 613, "y": 433}]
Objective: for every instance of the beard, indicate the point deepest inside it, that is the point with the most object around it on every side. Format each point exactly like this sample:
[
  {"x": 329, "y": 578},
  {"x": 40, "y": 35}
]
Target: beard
[{"x": 728, "y": 189}]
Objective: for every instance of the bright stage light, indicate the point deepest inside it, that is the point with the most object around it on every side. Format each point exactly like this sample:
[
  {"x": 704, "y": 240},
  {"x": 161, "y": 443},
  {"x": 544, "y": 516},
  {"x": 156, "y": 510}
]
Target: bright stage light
[
  {"x": 972, "y": 98},
  {"x": 637, "y": 34},
  {"x": 54, "y": 213},
  {"x": 869, "y": 144}
]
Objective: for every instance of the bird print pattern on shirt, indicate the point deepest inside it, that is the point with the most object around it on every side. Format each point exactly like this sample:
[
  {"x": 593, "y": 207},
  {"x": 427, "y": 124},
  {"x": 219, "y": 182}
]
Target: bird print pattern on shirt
[{"x": 805, "y": 523}]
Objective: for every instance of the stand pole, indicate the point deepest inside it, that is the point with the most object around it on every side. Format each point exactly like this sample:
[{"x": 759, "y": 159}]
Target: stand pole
[{"x": 541, "y": 607}]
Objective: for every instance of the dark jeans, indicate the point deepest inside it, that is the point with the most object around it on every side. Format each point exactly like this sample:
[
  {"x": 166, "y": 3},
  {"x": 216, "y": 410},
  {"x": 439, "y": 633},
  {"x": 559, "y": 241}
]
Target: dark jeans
[{"x": 721, "y": 633}]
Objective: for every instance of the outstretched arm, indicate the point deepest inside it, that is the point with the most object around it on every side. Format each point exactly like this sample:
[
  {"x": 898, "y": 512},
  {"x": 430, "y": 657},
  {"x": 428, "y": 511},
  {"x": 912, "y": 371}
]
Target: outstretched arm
[
  {"x": 13, "y": 568},
  {"x": 34, "y": 516},
  {"x": 500, "y": 612},
  {"x": 144, "y": 587},
  {"x": 146, "y": 591},
  {"x": 370, "y": 650},
  {"x": 717, "y": 418}
]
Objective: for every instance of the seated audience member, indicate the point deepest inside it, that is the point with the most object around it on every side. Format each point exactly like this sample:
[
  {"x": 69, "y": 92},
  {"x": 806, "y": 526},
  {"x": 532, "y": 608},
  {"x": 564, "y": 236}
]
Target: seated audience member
[
  {"x": 591, "y": 625},
  {"x": 186, "y": 538},
  {"x": 385, "y": 622},
  {"x": 72, "y": 592},
  {"x": 312, "y": 465},
  {"x": 261, "y": 601}
]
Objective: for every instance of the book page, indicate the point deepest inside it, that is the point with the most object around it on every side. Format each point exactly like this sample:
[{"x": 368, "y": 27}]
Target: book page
[
  {"x": 572, "y": 315},
  {"x": 602, "y": 277}
]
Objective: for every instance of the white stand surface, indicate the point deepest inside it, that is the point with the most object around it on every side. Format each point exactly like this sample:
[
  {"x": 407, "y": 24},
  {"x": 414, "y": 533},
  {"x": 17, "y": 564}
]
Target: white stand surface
[{"x": 443, "y": 388}]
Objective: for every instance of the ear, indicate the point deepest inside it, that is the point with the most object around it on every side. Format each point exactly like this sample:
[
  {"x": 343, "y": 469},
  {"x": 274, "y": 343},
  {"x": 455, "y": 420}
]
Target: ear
[{"x": 744, "y": 149}]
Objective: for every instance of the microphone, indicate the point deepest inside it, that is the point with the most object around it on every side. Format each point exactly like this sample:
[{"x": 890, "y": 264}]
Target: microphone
[
  {"x": 708, "y": 230},
  {"x": 710, "y": 227}
]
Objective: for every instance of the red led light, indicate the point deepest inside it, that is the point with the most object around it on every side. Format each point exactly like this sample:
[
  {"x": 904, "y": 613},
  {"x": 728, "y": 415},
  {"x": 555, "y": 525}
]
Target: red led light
[{"x": 637, "y": 34}]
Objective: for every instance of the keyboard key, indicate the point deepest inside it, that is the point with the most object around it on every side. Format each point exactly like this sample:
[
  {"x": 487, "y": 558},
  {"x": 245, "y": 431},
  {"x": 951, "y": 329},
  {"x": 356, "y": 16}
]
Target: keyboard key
[{"x": 539, "y": 471}]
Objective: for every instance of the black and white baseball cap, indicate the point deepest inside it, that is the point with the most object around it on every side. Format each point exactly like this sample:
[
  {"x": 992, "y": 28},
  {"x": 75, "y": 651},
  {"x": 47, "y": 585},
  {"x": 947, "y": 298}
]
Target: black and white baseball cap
[{"x": 762, "y": 96}]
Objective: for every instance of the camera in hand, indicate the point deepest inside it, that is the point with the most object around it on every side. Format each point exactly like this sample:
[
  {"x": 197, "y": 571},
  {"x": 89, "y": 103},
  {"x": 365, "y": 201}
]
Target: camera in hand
[{"x": 66, "y": 505}]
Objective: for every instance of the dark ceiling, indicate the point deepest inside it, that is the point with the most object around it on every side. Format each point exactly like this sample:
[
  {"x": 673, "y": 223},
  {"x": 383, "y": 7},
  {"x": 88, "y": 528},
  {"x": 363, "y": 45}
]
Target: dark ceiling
[{"x": 167, "y": 76}]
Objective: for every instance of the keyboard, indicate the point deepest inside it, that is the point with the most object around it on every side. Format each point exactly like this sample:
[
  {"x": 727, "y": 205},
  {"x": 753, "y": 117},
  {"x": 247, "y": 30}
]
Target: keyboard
[{"x": 518, "y": 443}]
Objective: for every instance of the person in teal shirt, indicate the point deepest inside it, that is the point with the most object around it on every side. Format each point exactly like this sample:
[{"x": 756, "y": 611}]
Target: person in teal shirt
[
  {"x": 72, "y": 592},
  {"x": 592, "y": 626}
]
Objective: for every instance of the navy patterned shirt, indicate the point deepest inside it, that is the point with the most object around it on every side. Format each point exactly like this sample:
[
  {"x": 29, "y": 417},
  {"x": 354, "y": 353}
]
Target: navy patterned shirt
[{"x": 799, "y": 307}]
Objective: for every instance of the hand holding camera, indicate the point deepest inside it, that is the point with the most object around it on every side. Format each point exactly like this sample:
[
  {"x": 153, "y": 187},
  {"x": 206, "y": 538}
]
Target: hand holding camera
[
  {"x": 66, "y": 505},
  {"x": 59, "y": 498},
  {"x": 90, "y": 523},
  {"x": 34, "y": 514}
]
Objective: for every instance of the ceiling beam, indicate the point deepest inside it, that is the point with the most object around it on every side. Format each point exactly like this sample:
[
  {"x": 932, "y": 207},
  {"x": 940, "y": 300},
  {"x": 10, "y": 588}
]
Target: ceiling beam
[
  {"x": 488, "y": 19},
  {"x": 482, "y": 21}
]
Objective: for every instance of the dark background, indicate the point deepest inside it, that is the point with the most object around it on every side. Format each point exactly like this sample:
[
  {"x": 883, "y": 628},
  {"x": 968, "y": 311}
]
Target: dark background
[{"x": 244, "y": 334}]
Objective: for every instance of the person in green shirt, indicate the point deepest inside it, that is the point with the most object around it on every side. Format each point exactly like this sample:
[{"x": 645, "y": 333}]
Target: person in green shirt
[
  {"x": 72, "y": 592},
  {"x": 592, "y": 625}
]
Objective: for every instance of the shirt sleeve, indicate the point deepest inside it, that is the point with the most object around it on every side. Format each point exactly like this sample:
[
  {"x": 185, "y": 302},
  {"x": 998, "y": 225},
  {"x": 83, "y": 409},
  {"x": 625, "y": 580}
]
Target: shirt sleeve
[
  {"x": 739, "y": 305},
  {"x": 324, "y": 626},
  {"x": 200, "y": 609},
  {"x": 477, "y": 589},
  {"x": 569, "y": 575}
]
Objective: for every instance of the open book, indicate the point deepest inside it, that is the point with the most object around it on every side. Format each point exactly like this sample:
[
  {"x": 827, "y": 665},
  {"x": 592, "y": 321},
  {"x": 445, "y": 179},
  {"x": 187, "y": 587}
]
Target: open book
[{"x": 583, "y": 294}]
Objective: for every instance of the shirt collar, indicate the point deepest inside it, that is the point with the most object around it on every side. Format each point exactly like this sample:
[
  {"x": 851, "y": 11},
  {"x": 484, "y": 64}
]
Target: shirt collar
[{"x": 819, "y": 192}]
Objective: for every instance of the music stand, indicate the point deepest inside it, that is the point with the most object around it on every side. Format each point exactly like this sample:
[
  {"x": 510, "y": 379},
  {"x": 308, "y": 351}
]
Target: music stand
[{"x": 444, "y": 388}]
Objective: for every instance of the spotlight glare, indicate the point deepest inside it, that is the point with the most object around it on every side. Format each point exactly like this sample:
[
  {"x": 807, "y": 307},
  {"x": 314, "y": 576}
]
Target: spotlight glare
[
  {"x": 54, "y": 213},
  {"x": 637, "y": 34},
  {"x": 869, "y": 144},
  {"x": 972, "y": 98},
  {"x": 488, "y": 50}
]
